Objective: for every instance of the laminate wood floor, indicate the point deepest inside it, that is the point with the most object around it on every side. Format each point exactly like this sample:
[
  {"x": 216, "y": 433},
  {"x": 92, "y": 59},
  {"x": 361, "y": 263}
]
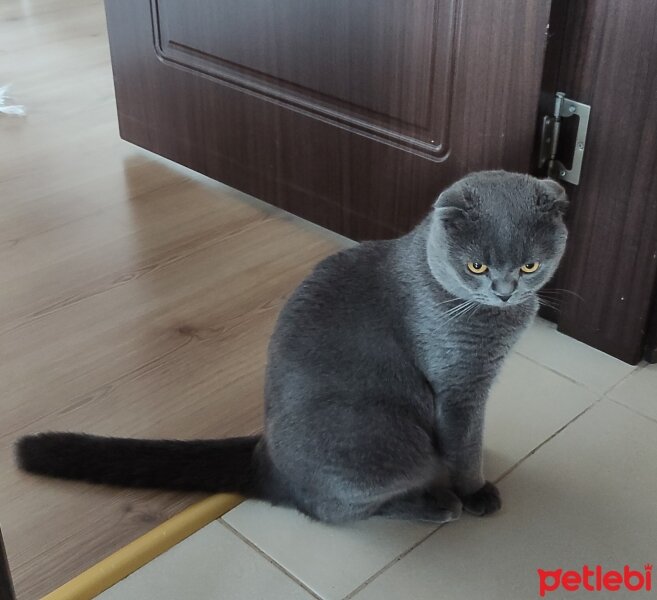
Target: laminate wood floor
[{"x": 136, "y": 297}]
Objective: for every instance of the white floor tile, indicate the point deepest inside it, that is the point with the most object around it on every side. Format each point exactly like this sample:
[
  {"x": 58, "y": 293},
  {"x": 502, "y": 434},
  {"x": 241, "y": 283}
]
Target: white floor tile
[
  {"x": 212, "y": 564},
  {"x": 639, "y": 391},
  {"x": 545, "y": 345},
  {"x": 586, "y": 497},
  {"x": 528, "y": 404}
]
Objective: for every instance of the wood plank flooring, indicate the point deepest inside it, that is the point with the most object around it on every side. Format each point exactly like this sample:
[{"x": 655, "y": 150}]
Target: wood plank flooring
[{"x": 136, "y": 298}]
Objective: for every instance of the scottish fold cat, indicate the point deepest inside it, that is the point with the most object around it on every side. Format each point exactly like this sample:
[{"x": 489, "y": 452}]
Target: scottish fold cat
[{"x": 378, "y": 374}]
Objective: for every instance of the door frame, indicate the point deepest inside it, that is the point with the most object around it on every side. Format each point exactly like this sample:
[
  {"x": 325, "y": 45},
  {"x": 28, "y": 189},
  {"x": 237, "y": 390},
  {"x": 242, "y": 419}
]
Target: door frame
[{"x": 610, "y": 267}]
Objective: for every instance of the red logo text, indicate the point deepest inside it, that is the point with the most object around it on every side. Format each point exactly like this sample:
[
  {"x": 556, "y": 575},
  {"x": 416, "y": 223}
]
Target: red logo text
[{"x": 595, "y": 580}]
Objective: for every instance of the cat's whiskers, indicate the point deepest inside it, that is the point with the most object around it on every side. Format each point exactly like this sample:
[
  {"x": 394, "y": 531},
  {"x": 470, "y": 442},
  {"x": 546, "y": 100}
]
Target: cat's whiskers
[
  {"x": 475, "y": 308},
  {"x": 470, "y": 309},
  {"x": 548, "y": 304},
  {"x": 455, "y": 309},
  {"x": 555, "y": 292},
  {"x": 448, "y": 301},
  {"x": 461, "y": 310}
]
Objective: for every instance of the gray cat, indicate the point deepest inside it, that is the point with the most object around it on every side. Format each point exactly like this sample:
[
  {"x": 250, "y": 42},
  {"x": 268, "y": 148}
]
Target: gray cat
[{"x": 379, "y": 370}]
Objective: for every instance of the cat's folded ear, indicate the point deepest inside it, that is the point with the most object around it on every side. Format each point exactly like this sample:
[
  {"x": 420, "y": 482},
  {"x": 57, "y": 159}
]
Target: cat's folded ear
[
  {"x": 454, "y": 206},
  {"x": 551, "y": 197}
]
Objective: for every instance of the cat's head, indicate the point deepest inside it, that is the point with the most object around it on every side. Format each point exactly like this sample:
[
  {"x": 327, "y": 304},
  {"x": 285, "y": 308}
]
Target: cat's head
[{"x": 497, "y": 237}]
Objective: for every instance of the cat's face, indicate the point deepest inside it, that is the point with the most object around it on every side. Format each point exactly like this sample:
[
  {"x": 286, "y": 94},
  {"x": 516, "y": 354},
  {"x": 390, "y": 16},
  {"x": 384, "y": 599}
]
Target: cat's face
[{"x": 497, "y": 237}]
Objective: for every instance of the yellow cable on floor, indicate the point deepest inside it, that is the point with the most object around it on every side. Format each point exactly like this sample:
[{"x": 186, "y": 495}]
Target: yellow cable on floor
[{"x": 136, "y": 554}]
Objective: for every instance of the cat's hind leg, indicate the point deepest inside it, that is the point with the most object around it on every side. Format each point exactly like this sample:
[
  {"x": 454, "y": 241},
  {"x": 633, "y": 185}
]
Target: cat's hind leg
[
  {"x": 440, "y": 505},
  {"x": 394, "y": 492}
]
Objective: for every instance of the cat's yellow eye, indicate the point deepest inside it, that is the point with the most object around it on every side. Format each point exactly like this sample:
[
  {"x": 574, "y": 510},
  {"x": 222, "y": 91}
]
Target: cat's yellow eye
[
  {"x": 531, "y": 267},
  {"x": 477, "y": 268}
]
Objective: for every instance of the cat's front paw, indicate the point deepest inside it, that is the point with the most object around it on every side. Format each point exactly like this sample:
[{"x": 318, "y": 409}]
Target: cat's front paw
[{"x": 485, "y": 501}]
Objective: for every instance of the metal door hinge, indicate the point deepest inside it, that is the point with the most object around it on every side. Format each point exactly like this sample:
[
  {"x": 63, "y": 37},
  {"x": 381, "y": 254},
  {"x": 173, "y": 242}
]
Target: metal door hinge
[{"x": 551, "y": 128}]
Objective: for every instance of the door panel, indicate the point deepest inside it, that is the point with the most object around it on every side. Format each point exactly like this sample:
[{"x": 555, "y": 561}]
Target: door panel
[
  {"x": 332, "y": 59},
  {"x": 353, "y": 114}
]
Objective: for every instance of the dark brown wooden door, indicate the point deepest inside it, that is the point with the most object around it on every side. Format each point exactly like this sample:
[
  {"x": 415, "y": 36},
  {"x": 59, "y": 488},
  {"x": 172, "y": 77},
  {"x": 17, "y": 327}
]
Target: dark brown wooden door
[
  {"x": 351, "y": 113},
  {"x": 604, "y": 53}
]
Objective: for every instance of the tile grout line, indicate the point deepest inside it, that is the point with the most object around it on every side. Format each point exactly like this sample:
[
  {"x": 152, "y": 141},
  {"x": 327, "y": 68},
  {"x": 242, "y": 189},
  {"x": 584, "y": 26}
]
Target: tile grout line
[
  {"x": 606, "y": 395},
  {"x": 269, "y": 559},
  {"x": 632, "y": 410},
  {"x": 601, "y": 396},
  {"x": 636, "y": 369},
  {"x": 548, "y": 439},
  {"x": 572, "y": 380},
  {"x": 394, "y": 561}
]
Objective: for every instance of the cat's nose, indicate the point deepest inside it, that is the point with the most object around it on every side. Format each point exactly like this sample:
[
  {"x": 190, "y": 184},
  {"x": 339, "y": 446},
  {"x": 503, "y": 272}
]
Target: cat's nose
[
  {"x": 503, "y": 297},
  {"x": 503, "y": 288}
]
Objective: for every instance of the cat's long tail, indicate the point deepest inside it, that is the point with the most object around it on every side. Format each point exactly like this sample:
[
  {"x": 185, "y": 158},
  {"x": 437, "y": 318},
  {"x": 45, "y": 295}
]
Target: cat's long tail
[{"x": 227, "y": 465}]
